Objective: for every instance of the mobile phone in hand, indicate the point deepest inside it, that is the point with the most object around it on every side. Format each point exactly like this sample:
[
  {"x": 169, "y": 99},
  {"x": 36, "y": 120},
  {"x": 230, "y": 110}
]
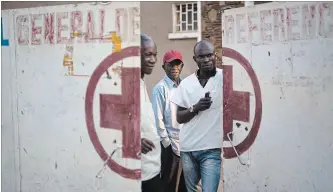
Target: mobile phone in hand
[{"x": 207, "y": 95}]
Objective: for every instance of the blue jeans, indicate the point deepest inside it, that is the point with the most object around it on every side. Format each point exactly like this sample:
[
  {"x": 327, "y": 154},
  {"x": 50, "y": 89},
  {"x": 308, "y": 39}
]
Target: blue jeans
[{"x": 204, "y": 165}]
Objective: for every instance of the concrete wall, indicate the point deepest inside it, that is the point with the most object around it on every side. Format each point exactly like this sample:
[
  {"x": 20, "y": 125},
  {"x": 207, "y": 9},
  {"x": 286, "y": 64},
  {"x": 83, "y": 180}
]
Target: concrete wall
[
  {"x": 211, "y": 22},
  {"x": 29, "y": 4},
  {"x": 279, "y": 85},
  {"x": 55, "y": 86},
  {"x": 277, "y": 94},
  {"x": 156, "y": 21},
  {"x": 9, "y": 144}
]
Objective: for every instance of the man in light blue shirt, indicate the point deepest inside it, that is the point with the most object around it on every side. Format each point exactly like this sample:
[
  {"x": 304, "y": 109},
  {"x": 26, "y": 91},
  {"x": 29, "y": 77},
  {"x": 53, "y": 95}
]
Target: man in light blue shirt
[{"x": 166, "y": 123}]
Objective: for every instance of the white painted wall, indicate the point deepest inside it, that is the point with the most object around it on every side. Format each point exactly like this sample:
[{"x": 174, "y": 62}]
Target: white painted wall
[
  {"x": 9, "y": 141},
  {"x": 43, "y": 111},
  {"x": 294, "y": 147}
]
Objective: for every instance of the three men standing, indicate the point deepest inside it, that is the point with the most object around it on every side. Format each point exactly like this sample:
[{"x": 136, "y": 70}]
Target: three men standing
[
  {"x": 166, "y": 123},
  {"x": 196, "y": 103}
]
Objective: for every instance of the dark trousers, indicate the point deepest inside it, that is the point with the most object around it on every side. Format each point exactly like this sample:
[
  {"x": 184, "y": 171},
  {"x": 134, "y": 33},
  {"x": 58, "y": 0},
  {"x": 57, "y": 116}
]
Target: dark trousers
[
  {"x": 152, "y": 185},
  {"x": 169, "y": 171}
]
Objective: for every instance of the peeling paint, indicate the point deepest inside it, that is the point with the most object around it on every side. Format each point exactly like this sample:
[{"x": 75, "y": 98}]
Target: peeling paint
[
  {"x": 48, "y": 149},
  {"x": 289, "y": 46}
]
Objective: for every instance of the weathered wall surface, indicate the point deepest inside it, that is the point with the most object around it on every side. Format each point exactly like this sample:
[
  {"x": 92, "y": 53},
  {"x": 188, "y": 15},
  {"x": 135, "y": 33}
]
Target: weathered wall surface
[
  {"x": 9, "y": 149},
  {"x": 211, "y": 22},
  {"x": 30, "y": 4},
  {"x": 64, "y": 90},
  {"x": 278, "y": 96}
]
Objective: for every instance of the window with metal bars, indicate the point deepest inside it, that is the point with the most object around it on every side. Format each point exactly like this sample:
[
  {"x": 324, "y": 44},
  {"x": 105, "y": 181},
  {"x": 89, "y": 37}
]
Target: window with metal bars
[{"x": 186, "y": 17}]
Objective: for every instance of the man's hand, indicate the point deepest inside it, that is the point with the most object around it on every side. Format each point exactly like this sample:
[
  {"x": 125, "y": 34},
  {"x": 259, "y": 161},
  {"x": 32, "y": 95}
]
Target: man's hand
[
  {"x": 203, "y": 103},
  {"x": 146, "y": 146},
  {"x": 185, "y": 115}
]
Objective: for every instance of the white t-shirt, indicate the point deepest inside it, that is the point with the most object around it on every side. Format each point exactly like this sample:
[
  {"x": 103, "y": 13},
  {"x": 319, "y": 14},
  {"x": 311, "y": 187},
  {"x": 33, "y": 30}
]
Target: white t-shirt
[
  {"x": 150, "y": 162},
  {"x": 205, "y": 130}
]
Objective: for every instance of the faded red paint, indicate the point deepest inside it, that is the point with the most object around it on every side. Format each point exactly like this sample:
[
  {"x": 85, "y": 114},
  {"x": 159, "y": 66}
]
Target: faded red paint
[
  {"x": 288, "y": 23},
  {"x": 229, "y": 29},
  {"x": 135, "y": 33},
  {"x": 49, "y": 28},
  {"x": 121, "y": 112},
  {"x": 329, "y": 8},
  {"x": 293, "y": 22},
  {"x": 296, "y": 22},
  {"x": 122, "y": 23},
  {"x": 321, "y": 23},
  {"x": 101, "y": 33},
  {"x": 132, "y": 120},
  {"x": 62, "y": 27},
  {"x": 236, "y": 103},
  {"x": 309, "y": 24},
  {"x": 22, "y": 22},
  {"x": 90, "y": 31},
  {"x": 35, "y": 30},
  {"x": 240, "y": 29},
  {"x": 234, "y": 106},
  {"x": 252, "y": 26},
  {"x": 76, "y": 24},
  {"x": 279, "y": 22},
  {"x": 265, "y": 28}
]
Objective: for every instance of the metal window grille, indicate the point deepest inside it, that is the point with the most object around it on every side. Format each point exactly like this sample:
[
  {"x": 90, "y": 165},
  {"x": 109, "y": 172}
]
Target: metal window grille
[{"x": 186, "y": 17}]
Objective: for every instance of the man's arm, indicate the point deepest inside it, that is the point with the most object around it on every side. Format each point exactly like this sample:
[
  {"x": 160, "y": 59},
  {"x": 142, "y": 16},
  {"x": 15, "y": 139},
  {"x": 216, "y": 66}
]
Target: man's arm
[
  {"x": 184, "y": 115},
  {"x": 145, "y": 126},
  {"x": 158, "y": 102},
  {"x": 183, "y": 112}
]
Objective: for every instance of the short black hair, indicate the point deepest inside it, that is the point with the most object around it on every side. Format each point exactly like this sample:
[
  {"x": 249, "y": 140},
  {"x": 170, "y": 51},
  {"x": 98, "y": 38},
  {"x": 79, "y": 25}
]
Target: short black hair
[
  {"x": 195, "y": 46},
  {"x": 144, "y": 38}
]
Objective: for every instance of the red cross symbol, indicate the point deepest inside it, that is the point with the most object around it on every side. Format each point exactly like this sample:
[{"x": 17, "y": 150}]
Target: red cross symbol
[
  {"x": 120, "y": 112},
  {"x": 236, "y": 103}
]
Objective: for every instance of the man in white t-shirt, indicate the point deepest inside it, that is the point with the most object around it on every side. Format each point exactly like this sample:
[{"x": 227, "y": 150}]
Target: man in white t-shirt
[
  {"x": 199, "y": 101},
  {"x": 150, "y": 140}
]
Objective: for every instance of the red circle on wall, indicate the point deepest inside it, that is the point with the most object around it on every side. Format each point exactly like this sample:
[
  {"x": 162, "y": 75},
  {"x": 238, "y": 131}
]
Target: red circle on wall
[
  {"x": 250, "y": 138},
  {"x": 99, "y": 71}
]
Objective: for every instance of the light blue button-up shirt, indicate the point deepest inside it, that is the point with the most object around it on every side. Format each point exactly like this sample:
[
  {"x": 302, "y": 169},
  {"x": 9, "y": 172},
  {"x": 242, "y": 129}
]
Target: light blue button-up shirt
[{"x": 165, "y": 113}]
